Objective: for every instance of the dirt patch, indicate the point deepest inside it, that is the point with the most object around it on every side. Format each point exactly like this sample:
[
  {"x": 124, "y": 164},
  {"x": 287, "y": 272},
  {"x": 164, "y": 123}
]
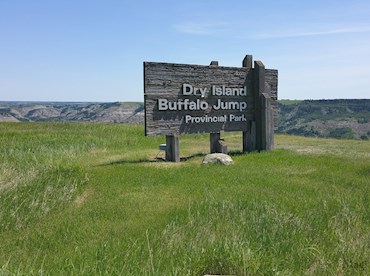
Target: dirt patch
[{"x": 83, "y": 197}]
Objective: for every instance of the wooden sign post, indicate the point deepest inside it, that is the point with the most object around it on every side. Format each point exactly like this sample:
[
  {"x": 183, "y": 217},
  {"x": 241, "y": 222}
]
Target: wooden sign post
[{"x": 182, "y": 99}]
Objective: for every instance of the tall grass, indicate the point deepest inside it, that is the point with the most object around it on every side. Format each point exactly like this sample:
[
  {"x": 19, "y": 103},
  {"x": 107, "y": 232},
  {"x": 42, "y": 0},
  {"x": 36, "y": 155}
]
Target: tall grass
[{"x": 92, "y": 199}]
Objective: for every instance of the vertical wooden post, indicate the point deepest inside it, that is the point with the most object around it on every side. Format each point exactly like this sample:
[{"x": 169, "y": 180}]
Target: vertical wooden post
[
  {"x": 267, "y": 123},
  {"x": 247, "y": 61},
  {"x": 214, "y": 137},
  {"x": 172, "y": 148},
  {"x": 251, "y": 138},
  {"x": 213, "y": 142},
  {"x": 245, "y": 137},
  {"x": 259, "y": 88},
  {"x": 247, "y": 141}
]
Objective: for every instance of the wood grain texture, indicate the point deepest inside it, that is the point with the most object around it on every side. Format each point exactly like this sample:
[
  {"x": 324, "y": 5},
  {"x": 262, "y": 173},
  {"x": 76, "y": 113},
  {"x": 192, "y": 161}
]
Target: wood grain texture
[
  {"x": 213, "y": 142},
  {"x": 165, "y": 80},
  {"x": 172, "y": 148}
]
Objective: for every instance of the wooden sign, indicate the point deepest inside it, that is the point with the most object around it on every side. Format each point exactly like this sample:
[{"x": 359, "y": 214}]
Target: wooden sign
[{"x": 183, "y": 98}]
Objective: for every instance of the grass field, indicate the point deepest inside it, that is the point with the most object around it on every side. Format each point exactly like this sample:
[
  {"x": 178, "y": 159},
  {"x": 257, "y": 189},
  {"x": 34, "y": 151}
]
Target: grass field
[{"x": 86, "y": 199}]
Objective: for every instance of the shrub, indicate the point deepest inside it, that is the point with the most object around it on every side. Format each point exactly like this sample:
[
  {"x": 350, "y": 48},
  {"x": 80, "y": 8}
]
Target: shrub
[{"x": 342, "y": 133}]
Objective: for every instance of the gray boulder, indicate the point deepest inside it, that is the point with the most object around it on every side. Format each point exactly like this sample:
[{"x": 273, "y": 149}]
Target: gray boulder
[{"x": 218, "y": 158}]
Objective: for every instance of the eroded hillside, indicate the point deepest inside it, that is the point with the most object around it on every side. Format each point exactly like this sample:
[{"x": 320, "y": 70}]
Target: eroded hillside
[
  {"x": 92, "y": 112},
  {"x": 346, "y": 119}
]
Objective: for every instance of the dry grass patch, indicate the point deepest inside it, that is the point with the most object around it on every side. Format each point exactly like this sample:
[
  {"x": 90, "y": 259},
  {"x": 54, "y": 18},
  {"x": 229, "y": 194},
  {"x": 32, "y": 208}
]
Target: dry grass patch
[{"x": 83, "y": 197}]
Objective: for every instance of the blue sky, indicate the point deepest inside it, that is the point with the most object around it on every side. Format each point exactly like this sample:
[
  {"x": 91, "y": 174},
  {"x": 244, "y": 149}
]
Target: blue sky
[{"x": 93, "y": 50}]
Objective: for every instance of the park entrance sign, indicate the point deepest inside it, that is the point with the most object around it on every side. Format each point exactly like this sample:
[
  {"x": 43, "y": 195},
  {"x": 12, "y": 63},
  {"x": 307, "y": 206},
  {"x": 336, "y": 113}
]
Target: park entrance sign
[{"x": 183, "y": 99}]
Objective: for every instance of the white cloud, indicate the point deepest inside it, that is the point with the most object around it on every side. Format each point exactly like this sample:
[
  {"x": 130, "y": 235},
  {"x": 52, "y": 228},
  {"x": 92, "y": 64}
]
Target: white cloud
[
  {"x": 231, "y": 29},
  {"x": 314, "y": 33}
]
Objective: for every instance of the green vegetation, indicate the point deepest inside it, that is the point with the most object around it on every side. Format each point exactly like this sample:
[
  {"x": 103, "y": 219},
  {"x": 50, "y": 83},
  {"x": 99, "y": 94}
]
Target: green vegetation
[
  {"x": 344, "y": 119},
  {"x": 92, "y": 199},
  {"x": 342, "y": 133},
  {"x": 290, "y": 102}
]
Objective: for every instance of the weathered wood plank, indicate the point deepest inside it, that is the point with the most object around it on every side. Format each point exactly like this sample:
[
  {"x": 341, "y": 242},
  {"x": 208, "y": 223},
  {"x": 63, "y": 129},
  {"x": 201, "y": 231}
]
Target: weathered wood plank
[
  {"x": 271, "y": 82},
  {"x": 165, "y": 80},
  {"x": 259, "y": 82},
  {"x": 267, "y": 131},
  {"x": 172, "y": 148},
  {"x": 213, "y": 142}
]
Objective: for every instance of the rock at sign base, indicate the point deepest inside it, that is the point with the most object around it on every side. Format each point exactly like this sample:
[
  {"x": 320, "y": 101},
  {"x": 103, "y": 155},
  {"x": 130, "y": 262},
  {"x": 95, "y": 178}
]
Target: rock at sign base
[{"x": 217, "y": 158}]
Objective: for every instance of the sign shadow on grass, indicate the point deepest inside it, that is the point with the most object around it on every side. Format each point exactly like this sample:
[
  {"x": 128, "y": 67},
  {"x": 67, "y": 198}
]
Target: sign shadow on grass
[{"x": 146, "y": 160}]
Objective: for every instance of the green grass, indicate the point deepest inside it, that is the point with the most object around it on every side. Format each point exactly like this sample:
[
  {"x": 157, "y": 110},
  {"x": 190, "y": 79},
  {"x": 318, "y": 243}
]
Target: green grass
[{"x": 92, "y": 199}]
